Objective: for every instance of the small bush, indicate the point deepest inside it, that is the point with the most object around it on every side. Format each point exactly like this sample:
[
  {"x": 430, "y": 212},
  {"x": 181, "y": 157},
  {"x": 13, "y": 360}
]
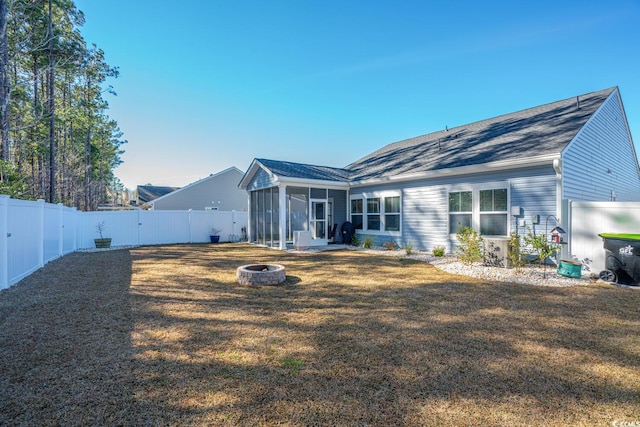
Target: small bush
[
  {"x": 408, "y": 248},
  {"x": 541, "y": 247},
  {"x": 438, "y": 251},
  {"x": 516, "y": 254},
  {"x": 367, "y": 242},
  {"x": 469, "y": 245},
  {"x": 355, "y": 240},
  {"x": 390, "y": 245}
]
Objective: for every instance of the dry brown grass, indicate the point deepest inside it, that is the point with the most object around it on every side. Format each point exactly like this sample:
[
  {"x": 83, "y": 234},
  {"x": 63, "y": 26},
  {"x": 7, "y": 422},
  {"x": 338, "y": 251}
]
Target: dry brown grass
[{"x": 164, "y": 336}]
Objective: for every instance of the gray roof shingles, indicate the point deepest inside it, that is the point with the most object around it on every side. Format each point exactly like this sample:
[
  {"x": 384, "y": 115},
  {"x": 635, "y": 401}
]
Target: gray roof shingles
[
  {"x": 299, "y": 170},
  {"x": 540, "y": 130},
  {"x": 544, "y": 129},
  {"x": 148, "y": 193}
]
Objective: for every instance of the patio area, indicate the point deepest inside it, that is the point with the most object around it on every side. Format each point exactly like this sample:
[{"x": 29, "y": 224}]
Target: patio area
[{"x": 164, "y": 335}]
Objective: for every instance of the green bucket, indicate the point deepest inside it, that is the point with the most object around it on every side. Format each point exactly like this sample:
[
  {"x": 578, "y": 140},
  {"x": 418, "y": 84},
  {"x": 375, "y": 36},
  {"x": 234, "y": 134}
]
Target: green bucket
[{"x": 570, "y": 269}]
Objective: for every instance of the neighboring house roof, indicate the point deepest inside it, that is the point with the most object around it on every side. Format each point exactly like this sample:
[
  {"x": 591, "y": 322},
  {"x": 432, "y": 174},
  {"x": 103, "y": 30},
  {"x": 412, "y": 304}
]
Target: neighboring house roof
[
  {"x": 147, "y": 193},
  {"x": 512, "y": 138},
  {"x": 212, "y": 176}
]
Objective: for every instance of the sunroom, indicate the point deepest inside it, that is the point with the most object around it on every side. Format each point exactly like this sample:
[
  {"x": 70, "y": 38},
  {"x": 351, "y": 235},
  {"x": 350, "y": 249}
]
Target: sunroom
[{"x": 287, "y": 207}]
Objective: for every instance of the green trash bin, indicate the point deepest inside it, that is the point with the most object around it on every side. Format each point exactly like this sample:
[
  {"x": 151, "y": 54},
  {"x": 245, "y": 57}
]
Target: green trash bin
[
  {"x": 570, "y": 269},
  {"x": 622, "y": 264}
]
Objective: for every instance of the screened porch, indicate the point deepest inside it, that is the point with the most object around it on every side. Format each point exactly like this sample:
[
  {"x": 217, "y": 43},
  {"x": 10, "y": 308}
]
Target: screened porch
[{"x": 280, "y": 211}]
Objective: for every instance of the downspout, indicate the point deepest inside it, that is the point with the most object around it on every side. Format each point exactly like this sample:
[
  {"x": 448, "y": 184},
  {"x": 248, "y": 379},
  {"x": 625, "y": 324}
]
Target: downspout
[{"x": 557, "y": 167}]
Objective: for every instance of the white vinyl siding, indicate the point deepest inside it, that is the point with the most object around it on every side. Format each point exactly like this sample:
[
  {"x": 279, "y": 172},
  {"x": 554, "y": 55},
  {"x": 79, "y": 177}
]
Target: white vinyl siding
[
  {"x": 600, "y": 163},
  {"x": 425, "y": 205}
]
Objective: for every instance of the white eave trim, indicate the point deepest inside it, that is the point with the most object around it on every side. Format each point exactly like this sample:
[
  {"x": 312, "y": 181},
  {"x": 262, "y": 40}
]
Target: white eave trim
[
  {"x": 543, "y": 160},
  {"x": 338, "y": 185}
]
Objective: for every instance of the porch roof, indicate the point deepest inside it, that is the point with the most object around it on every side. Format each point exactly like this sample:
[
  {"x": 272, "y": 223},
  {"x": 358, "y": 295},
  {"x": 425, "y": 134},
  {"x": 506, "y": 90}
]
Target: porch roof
[{"x": 303, "y": 171}]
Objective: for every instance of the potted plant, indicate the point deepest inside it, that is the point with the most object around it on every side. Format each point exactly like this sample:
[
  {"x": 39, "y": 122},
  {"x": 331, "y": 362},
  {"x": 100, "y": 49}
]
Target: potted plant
[
  {"x": 215, "y": 234},
  {"x": 102, "y": 242}
]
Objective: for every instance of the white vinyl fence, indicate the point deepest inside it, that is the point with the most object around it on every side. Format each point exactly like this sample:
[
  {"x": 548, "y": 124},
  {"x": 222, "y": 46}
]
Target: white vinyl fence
[
  {"x": 588, "y": 219},
  {"x": 35, "y": 233}
]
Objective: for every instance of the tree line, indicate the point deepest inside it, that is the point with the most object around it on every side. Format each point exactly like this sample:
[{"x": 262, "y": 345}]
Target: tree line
[{"x": 56, "y": 141}]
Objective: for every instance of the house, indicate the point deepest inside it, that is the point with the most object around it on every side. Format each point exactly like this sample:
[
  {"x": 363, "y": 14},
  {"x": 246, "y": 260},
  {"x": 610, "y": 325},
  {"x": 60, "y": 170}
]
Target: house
[
  {"x": 218, "y": 191},
  {"x": 515, "y": 171}
]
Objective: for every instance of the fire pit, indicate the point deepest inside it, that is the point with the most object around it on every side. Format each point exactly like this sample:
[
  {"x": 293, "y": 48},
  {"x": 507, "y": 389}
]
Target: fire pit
[{"x": 260, "y": 274}]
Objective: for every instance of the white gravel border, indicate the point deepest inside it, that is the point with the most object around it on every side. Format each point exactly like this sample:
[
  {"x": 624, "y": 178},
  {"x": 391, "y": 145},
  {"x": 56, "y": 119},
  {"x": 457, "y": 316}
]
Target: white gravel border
[{"x": 531, "y": 274}]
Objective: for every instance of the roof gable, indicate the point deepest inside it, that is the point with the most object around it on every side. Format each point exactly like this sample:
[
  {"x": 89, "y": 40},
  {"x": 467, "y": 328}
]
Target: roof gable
[{"x": 269, "y": 171}]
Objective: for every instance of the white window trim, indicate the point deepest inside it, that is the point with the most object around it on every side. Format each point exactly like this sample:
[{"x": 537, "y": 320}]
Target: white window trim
[
  {"x": 381, "y": 195},
  {"x": 475, "y": 202}
]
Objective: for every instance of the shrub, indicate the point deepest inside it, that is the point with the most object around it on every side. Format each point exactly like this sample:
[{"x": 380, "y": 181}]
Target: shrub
[
  {"x": 390, "y": 245},
  {"x": 541, "y": 247},
  {"x": 516, "y": 254},
  {"x": 438, "y": 251},
  {"x": 355, "y": 240},
  {"x": 469, "y": 245},
  {"x": 408, "y": 248},
  {"x": 367, "y": 242}
]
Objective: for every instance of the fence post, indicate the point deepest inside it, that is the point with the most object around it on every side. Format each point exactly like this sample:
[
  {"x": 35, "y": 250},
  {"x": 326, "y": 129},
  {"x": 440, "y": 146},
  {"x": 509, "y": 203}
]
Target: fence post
[
  {"x": 40, "y": 236},
  {"x": 4, "y": 241},
  {"x": 76, "y": 226},
  {"x": 233, "y": 225},
  {"x": 139, "y": 225},
  {"x": 60, "y": 231}
]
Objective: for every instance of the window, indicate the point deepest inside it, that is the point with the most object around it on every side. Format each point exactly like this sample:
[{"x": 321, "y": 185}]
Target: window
[
  {"x": 356, "y": 213},
  {"x": 483, "y": 210},
  {"x": 378, "y": 213},
  {"x": 460, "y": 210},
  {"x": 373, "y": 213},
  {"x": 493, "y": 212},
  {"x": 392, "y": 213}
]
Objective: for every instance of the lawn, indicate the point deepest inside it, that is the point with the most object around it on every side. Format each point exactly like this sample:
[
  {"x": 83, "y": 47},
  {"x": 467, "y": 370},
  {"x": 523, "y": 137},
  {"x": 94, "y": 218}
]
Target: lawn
[{"x": 163, "y": 335}]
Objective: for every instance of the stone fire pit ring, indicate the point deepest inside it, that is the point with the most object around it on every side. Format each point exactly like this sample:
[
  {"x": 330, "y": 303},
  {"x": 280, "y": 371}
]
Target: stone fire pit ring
[{"x": 260, "y": 274}]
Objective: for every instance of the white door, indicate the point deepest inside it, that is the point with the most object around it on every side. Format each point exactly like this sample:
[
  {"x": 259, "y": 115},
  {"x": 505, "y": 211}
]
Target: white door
[{"x": 319, "y": 219}]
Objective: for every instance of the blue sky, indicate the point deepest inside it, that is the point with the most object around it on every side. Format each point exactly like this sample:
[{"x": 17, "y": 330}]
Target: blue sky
[{"x": 208, "y": 84}]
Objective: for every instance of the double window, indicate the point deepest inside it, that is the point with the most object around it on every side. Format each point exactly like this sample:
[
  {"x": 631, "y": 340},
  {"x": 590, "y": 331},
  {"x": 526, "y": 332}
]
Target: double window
[
  {"x": 376, "y": 213},
  {"x": 485, "y": 210}
]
